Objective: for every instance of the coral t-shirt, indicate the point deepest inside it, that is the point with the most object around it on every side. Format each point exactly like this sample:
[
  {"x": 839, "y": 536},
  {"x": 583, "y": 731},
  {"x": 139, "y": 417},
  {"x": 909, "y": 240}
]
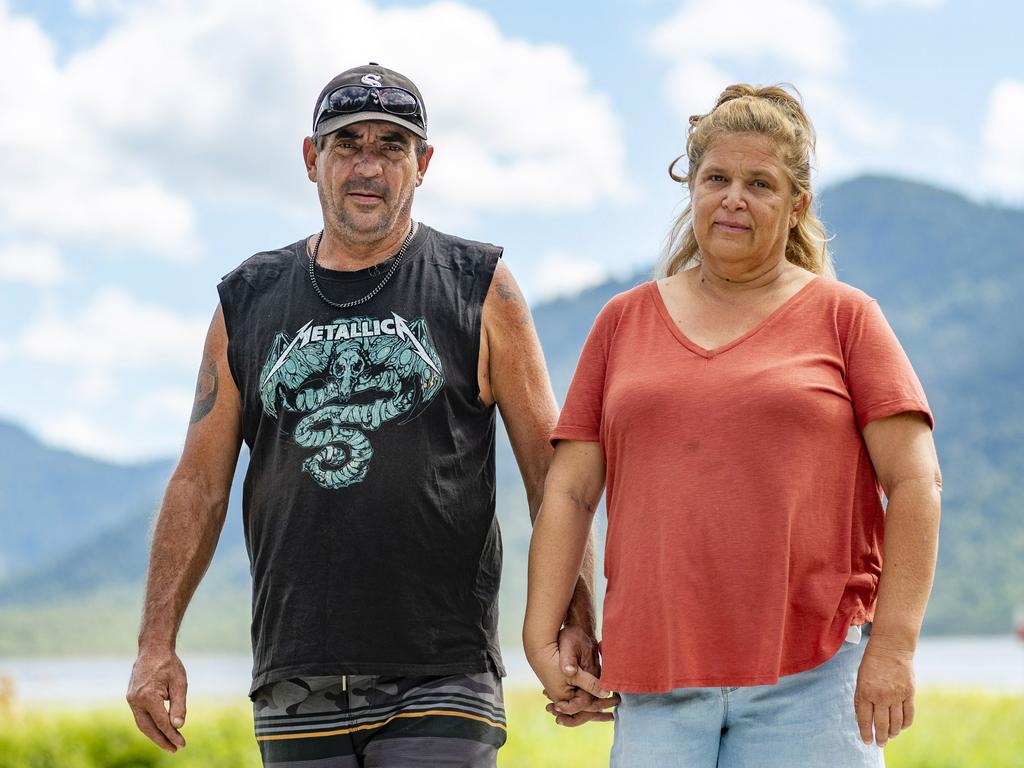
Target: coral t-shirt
[{"x": 745, "y": 519}]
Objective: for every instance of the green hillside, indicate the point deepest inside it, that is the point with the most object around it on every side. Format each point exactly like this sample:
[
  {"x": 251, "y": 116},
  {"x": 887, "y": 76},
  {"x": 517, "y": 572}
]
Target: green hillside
[
  {"x": 944, "y": 269},
  {"x": 945, "y": 272},
  {"x": 50, "y": 499}
]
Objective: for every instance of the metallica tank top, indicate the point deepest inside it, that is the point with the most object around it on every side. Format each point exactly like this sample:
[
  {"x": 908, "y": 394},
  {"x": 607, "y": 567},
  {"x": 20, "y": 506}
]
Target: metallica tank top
[{"x": 368, "y": 503}]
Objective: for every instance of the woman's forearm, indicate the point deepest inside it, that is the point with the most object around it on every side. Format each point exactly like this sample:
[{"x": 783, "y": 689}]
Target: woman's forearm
[
  {"x": 560, "y": 536},
  {"x": 908, "y": 563}
]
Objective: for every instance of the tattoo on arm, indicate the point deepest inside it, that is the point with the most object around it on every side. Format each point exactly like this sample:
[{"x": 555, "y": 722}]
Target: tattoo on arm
[
  {"x": 206, "y": 390},
  {"x": 511, "y": 293}
]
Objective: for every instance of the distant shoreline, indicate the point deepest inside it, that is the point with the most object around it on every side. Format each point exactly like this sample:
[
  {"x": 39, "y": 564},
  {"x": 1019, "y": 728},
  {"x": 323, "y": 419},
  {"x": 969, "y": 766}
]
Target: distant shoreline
[{"x": 989, "y": 663}]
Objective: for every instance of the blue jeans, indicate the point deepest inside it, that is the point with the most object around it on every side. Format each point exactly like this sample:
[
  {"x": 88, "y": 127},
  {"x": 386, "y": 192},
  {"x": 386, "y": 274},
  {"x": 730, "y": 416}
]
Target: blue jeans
[{"x": 805, "y": 720}]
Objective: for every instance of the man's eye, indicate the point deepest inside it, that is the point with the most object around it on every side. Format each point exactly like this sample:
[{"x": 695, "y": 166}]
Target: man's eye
[
  {"x": 393, "y": 148},
  {"x": 716, "y": 177},
  {"x": 761, "y": 184}
]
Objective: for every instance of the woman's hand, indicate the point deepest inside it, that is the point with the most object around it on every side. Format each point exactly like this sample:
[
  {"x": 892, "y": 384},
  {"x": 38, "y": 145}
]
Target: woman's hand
[
  {"x": 579, "y": 661},
  {"x": 884, "y": 699},
  {"x": 546, "y": 664}
]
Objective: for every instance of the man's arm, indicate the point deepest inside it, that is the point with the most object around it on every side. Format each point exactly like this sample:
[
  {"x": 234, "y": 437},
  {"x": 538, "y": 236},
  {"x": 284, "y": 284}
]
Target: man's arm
[
  {"x": 903, "y": 454},
  {"x": 513, "y": 374},
  {"x": 184, "y": 539}
]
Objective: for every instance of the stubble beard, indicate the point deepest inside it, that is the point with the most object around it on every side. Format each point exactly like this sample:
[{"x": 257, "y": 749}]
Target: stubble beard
[{"x": 354, "y": 228}]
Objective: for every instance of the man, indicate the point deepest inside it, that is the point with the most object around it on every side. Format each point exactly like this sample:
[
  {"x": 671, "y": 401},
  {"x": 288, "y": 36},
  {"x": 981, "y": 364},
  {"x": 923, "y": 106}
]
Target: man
[{"x": 361, "y": 367}]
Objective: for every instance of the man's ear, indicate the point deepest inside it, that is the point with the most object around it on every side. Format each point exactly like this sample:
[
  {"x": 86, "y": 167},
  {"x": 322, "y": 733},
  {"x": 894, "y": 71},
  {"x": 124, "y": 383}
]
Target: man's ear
[
  {"x": 422, "y": 163},
  {"x": 309, "y": 155}
]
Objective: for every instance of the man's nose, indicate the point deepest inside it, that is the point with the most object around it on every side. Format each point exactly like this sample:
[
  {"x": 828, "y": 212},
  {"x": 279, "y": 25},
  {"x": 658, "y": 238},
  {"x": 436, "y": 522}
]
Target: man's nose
[{"x": 368, "y": 163}]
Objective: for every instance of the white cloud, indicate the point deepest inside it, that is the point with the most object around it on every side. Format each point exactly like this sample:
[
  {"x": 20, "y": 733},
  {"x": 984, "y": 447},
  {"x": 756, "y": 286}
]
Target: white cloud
[
  {"x": 175, "y": 403},
  {"x": 182, "y": 102},
  {"x": 122, "y": 368},
  {"x": 749, "y": 30},
  {"x": 130, "y": 435},
  {"x": 911, "y": 3},
  {"x": 64, "y": 180},
  {"x": 77, "y": 432},
  {"x": 34, "y": 263},
  {"x": 560, "y": 273},
  {"x": 94, "y": 385},
  {"x": 708, "y": 45},
  {"x": 1003, "y": 164},
  {"x": 97, "y": 7},
  {"x": 154, "y": 428},
  {"x": 115, "y": 331},
  {"x": 706, "y": 42}
]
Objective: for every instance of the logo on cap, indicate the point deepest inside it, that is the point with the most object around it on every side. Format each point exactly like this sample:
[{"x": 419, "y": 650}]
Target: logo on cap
[{"x": 373, "y": 80}]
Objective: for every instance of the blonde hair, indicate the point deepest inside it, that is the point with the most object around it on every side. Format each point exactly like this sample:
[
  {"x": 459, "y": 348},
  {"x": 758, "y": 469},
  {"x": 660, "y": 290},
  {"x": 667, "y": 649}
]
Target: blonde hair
[{"x": 773, "y": 112}]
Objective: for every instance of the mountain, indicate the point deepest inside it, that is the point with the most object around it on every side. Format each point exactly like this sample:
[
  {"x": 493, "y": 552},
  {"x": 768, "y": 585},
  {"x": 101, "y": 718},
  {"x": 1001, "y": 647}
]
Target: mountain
[
  {"x": 75, "y": 551},
  {"x": 944, "y": 270},
  {"x": 52, "y": 499}
]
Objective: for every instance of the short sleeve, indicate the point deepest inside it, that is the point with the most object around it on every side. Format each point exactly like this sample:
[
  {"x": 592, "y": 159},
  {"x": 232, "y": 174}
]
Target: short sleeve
[
  {"x": 581, "y": 414},
  {"x": 879, "y": 376}
]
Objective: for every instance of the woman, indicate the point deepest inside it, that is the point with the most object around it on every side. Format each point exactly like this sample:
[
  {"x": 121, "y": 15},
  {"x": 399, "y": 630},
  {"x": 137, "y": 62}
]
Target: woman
[{"x": 747, "y": 410}]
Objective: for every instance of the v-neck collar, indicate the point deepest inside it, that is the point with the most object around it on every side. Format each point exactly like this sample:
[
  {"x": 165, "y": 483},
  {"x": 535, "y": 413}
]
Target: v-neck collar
[{"x": 697, "y": 349}]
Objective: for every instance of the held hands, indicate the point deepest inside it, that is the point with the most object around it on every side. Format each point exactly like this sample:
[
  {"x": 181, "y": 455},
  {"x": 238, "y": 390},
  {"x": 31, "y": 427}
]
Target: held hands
[
  {"x": 158, "y": 677},
  {"x": 568, "y": 670},
  {"x": 884, "y": 699}
]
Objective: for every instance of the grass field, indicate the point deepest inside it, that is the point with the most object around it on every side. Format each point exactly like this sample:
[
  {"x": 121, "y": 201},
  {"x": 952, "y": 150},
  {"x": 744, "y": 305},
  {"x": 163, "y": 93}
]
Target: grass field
[{"x": 953, "y": 730}]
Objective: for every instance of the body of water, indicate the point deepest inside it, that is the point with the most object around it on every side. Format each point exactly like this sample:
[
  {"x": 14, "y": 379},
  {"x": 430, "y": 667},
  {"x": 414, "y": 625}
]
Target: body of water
[{"x": 994, "y": 663}]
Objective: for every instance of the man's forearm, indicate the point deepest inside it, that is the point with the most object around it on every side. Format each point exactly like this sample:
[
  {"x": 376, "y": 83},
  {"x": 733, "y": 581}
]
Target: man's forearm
[
  {"x": 184, "y": 540},
  {"x": 908, "y": 565},
  {"x": 582, "y": 611}
]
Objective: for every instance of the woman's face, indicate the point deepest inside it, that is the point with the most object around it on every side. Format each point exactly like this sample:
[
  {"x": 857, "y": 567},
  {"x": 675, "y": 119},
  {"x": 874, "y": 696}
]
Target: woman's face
[{"x": 742, "y": 201}]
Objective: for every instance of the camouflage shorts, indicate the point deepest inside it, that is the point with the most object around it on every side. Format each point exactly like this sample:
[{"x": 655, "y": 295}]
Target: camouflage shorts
[{"x": 362, "y": 721}]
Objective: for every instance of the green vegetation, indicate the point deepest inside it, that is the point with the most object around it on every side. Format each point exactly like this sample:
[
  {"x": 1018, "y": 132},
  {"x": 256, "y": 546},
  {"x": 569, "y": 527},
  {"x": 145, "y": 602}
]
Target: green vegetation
[
  {"x": 953, "y": 730},
  {"x": 106, "y": 623}
]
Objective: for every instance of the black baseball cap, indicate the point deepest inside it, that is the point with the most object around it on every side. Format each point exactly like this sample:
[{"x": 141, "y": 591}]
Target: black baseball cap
[{"x": 326, "y": 119}]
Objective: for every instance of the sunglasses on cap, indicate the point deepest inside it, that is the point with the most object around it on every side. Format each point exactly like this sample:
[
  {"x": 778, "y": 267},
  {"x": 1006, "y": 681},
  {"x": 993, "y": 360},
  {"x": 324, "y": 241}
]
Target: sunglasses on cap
[{"x": 355, "y": 98}]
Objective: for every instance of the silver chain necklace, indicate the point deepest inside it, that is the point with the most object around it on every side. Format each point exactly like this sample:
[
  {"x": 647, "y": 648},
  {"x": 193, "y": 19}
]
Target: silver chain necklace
[{"x": 345, "y": 305}]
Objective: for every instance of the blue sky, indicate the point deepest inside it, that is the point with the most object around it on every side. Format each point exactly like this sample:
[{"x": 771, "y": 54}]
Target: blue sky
[{"x": 148, "y": 147}]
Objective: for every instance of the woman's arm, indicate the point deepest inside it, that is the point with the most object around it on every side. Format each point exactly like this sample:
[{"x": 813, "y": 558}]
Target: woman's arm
[
  {"x": 903, "y": 454},
  {"x": 572, "y": 490}
]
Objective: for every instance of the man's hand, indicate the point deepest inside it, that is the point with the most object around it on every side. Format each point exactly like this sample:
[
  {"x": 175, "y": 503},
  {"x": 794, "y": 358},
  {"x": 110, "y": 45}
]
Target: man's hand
[
  {"x": 884, "y": 699},
  {"x": 158, "y": 677},
  {"x": 578, "y": 658}
]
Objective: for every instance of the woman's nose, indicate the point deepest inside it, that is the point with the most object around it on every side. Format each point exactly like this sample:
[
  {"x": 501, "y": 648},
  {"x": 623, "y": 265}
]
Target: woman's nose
[{"x": 734, "y": 199}]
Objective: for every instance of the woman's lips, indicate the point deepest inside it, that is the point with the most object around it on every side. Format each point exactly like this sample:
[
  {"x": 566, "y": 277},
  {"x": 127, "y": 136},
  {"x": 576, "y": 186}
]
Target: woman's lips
[{"x": 728, "y": 226}]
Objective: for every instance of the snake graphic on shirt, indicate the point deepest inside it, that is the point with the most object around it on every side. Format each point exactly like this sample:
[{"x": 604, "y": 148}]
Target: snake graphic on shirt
[{"x": 346, "y": 379}]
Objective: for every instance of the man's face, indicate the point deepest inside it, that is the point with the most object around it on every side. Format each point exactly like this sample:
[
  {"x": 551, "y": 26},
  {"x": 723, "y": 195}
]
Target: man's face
[{"x": 366, "y": 174}]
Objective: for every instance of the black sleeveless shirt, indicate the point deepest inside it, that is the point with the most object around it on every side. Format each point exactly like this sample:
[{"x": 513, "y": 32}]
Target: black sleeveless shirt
[{"x": 368, "y": 504}]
